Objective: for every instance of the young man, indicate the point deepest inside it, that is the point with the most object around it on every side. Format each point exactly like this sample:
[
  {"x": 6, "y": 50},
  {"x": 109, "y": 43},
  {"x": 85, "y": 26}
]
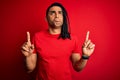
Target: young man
[{"x": 54, "y": 48}]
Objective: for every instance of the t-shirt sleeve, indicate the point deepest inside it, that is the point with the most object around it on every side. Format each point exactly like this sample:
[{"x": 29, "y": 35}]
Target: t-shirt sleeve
[{"x": 76, "y": 48}]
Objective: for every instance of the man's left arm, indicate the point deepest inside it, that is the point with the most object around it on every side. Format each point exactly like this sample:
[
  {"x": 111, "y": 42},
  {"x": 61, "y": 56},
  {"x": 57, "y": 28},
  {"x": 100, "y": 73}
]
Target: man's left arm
[{"x": 78, "y": 61}]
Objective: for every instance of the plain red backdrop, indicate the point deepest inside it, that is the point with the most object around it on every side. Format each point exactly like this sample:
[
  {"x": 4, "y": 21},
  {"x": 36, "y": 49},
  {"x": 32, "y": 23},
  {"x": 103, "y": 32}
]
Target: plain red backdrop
[{"x": 100, "y": 17}]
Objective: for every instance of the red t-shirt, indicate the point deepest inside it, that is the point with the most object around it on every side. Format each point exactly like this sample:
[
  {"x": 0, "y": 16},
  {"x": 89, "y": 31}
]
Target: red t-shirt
[{"x": 54, "y": 55}]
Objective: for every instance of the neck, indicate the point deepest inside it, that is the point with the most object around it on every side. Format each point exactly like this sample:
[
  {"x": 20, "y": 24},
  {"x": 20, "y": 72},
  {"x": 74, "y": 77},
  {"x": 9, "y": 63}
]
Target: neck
[{"x": 54, "y": 30}]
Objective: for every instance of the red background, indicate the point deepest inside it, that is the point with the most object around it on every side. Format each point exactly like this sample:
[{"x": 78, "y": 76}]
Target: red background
[{"x": 100, "y": 17}]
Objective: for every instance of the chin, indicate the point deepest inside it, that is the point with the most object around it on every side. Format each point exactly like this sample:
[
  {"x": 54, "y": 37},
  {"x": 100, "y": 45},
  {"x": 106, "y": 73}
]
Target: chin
[{"x": 57, "y": 26}]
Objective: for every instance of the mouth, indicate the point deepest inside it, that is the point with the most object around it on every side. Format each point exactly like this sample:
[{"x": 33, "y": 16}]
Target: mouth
[{"x": 57, "y": 21}]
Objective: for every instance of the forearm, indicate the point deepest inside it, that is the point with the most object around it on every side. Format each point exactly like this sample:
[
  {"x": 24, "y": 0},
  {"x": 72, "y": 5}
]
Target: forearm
[
  {"x": 30, "y": 63},
  {"x": 80, "y": 64}
]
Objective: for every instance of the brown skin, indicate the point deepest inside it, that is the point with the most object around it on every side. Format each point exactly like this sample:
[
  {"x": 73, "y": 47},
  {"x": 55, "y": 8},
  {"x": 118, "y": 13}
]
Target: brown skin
[
  {"x": 27, "y": 50},
  {"x": 55, "y": 17},
  {"x": 87, "y": 49},
  {"x": 55, "y": 21}
]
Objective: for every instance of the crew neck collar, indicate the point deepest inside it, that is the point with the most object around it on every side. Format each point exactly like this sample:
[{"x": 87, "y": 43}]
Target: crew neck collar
[{"x": 52, "y": 35}]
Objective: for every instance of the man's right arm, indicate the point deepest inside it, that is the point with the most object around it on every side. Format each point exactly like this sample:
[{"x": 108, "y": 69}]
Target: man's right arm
[
  {"x": 31, "y": 62},
  {"x": 30, "y": 57}
]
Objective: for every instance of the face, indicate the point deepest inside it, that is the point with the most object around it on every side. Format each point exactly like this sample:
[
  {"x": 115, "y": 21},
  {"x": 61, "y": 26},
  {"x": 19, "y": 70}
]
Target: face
[{"x": 55, "y": 17}]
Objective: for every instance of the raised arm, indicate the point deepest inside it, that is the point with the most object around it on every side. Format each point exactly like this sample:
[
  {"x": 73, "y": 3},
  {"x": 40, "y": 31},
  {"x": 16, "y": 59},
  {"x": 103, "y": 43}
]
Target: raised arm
[
  {"x": 79, "y": 62},
  {"x": 27, "y": 50}
]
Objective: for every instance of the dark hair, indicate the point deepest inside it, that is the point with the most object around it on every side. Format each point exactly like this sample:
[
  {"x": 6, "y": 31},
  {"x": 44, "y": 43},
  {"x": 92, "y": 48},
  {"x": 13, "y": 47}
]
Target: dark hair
[{"x": 64, "y": 29}]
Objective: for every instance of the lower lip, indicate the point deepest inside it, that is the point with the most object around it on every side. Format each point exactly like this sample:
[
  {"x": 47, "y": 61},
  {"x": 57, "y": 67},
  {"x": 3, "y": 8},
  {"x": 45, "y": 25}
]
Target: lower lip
[{"x": 57, "y": 21}]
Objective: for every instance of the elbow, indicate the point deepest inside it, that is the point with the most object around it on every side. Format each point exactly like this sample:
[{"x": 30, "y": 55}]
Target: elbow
[
  {"x": 30, "y": 69},
  {"x": 78, "y": 70}
]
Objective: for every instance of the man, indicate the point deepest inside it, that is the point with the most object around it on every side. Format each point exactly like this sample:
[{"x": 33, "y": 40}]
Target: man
[{"x": 54, "y": 48}]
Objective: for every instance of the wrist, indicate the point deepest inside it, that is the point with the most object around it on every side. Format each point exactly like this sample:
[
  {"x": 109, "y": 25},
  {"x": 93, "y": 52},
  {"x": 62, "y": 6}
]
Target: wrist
[{"x": 85, "y": 57}]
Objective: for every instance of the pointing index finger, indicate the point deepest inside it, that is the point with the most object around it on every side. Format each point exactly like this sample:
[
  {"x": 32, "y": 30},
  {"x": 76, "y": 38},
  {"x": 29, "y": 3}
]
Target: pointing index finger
[
  {"x": 87, "y": 36},
  {"x": 28, "y": 36}
]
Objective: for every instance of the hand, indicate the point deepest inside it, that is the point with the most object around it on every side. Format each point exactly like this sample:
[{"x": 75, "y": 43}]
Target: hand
[
  {"x": 88, "y": 46},
  {"x": 27, "y": 47}
]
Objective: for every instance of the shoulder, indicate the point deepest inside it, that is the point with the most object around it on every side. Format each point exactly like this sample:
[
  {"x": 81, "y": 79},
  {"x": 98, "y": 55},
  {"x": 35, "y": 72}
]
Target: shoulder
[
  {"x": 73, "y": 36},
  {"x": 38, "y": 36},
  {"x": 40, "y": 33}
]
